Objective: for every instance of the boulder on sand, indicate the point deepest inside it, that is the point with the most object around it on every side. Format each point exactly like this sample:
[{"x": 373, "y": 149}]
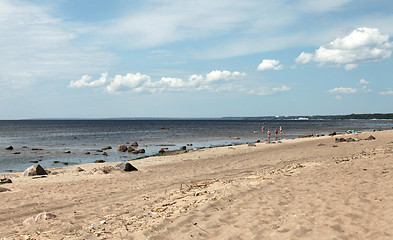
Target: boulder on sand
[
  {"x": 127, "y": 167},
  {"x": 34, "y": 170},
  {"x": 39, "y": 218}
]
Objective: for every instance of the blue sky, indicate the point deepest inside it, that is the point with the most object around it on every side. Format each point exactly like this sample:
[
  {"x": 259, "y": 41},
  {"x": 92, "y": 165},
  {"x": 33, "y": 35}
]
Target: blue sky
[{"x": 172, "y": 58}]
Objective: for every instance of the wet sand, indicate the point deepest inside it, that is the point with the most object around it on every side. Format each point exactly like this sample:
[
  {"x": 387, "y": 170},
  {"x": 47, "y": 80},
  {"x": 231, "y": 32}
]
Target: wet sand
[{"x": 310, "y": 188}]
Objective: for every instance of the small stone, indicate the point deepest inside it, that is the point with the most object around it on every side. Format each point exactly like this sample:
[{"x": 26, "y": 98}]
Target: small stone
[
  {"x": 102, "y": 222},
  {"x": 39, "y": 218},
  {"x": 16, "y": 153},
  {"x": 87, "y": 152},
  {"x": 99, "y": 161},
  {"x": 236, "y": 138},
  {"x": 106, "y": 148},
  {"x": 371, "y": 137},
  {"x": 130, "y": 149},
  {"x": 251, "y": 144},
  {"x": 105, "y": 153},
  {"x": 9, "y": 148},
  {"x": 189, "y": 144},
  {"x": 79, "y": 169},
  {"x": 135, "y": 144},
  {"x": 37, "y": 149},
  {"x": 182, "y": 148},
  {"x": 67, "y": 151},
  {"x": 161, "y": 151},
  {"x": 55, "y": 161},
  {"x": 332, "y": 133},
  {"x": 122, "y": 148}
]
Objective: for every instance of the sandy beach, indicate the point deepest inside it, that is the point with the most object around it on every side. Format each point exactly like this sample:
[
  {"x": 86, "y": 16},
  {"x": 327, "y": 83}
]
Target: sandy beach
[{"x": 306, "y": 188}]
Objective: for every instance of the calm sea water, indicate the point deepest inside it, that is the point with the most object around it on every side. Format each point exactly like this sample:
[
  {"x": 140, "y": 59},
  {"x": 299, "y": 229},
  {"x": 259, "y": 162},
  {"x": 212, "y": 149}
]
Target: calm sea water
[{"x": 57, "y": 136}]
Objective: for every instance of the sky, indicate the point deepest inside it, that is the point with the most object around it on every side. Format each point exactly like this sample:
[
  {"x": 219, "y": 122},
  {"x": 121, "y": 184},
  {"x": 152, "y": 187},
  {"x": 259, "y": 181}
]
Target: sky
[{"x": 194, "y": 59}]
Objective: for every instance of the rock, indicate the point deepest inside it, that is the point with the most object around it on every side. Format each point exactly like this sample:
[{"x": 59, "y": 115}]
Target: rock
[
  {"x": 79, "y": 169},
  {"x": 9, "y": 148},
  {"x": 99, "y": 150},
  {"x": 321, "y": 144},
  {"x": 162, "y": 150},
  {"x": 236, "y": 138},
  {"x": 127, "y": 167},
  {"x": 105, "y": 153},
  {"x": 4, "y": 189},
  {"x": 141, "y": 150},
  {"x": 337, "y": 140},
  {"x": 130, "y": 149},
  {"x": 134, "y": 144},
  {"x": 182, "y": 148},
  {"x": 106, "y": 148},
  {"x": 65, "y": 163},
  {"x": 332, "y": 134},
  {"x": 67, "y": 151},
  {"x": 39, "y": 218},
  {"x": 87, "y": 152},
  {"x": 122, "y": 148},
  {"x": 350, "y": 140},
  {"x": 34, "y": 161},
  {"x": 307, "y": 136},
  {"x": 16, "y": 153},
  {"x": 34, "y": 170},
  {"x": 55, "y": 161},
  {"x": 37, "y": 149},
  {"x": 102, "y": 222},
  {"x": 371, "y": 137},
  {"x": 99, "y": 161},
  {"x": 258, "y": 141},
  {"x": 5, "y": 180},
  {"x": 189, "y": 144},
  {"x": 24, "y": 146},
  {"x": 251, "y": 144}
]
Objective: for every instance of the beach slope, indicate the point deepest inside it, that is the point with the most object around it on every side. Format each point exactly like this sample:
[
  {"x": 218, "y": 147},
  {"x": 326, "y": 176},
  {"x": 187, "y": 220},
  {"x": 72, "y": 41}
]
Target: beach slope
[{"x": 309, "y": 188}]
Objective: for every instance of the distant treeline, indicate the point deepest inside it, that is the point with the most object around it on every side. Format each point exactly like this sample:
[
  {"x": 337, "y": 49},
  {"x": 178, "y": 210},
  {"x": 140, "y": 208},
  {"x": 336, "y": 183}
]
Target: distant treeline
[
  {"x": 355, "y": 116},
  {"x": 319, "y": 117}
]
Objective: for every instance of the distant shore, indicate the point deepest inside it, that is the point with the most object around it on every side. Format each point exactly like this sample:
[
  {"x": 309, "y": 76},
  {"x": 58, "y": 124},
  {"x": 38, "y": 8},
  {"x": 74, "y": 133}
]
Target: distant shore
[{"x": 308, "y": 188}]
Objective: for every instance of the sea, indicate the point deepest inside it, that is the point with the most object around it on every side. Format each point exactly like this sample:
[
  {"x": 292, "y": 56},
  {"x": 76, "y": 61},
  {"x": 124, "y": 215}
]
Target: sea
[{"x": 55, "y": 137}]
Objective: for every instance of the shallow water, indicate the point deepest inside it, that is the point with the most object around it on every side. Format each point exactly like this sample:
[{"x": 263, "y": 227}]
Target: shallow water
[{"x": 79, "y": 136}]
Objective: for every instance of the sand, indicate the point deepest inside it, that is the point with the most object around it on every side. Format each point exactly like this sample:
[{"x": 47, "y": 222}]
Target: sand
[{"x": 309, "y": 188}]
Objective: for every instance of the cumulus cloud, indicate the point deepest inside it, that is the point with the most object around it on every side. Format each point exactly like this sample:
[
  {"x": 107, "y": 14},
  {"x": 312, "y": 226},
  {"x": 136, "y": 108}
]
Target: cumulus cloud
[
  {"x": 362, "y": 44},
  {"x": 85, "y": 81},
  {"x": 386, "y": 92},
  {"x": 213, "y": 81},
  {"x": 343, "y": 90},
  {"x": 270, "y": 64}
]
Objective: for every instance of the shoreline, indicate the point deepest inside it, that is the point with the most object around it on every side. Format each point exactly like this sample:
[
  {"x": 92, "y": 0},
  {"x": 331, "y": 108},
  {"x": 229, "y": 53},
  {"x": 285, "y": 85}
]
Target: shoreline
[{"x": 167, "y": 190}]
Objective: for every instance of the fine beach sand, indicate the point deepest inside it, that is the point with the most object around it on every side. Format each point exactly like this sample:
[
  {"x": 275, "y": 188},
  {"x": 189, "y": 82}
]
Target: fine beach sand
[{"x": 309, "y": 188}]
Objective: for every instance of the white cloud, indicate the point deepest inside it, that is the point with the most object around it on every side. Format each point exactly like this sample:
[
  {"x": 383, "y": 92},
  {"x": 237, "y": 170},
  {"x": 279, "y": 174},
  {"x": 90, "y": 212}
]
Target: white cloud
[
  {"x": 270, "y": 64},
  {"x": 386, "y": 92},
  {"x": 364, "y": 82},
  {"x": 362, "y": 44},
  {"x": 264, "y": 91},
  {"x": 342, "y": 90},
  {"x": 213, "y": 81},
  {"x": 85, "y": 81},
  {"x": 127, "y": 83},
  {"x": 304, "y": 58},
  {"x": 350, "y": 66}
]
